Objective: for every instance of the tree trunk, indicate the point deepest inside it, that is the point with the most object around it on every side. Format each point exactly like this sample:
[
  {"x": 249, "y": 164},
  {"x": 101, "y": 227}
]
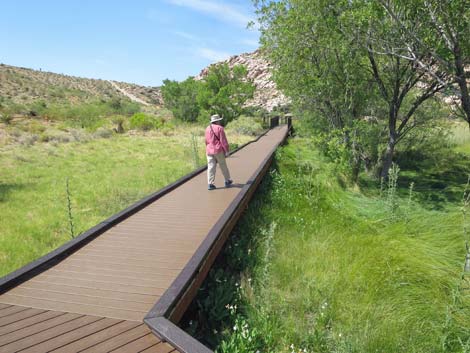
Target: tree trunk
[
  {"x": 387, "y": 158},
  {"x": 462, "y": 82}
]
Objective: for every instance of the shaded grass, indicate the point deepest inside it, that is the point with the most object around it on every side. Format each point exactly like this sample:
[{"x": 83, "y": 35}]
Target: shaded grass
[
  {"x": 105, "y": 176},
  {"x": 326, "y": 269}
]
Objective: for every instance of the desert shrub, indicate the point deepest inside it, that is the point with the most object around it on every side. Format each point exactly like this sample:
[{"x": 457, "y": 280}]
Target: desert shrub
[
  {"x": 145, "y": 122},
  {"x": 59, "y": 137},
  {"x": 246, "y": 125},
  {"x": 119, "y": 121},
  {"x": 28, "y": 139},
  {"x": 35, "y": 127},
  {"x": 6, "y": 118},
  {"x": 38, "y": 108},
  {"x": 80, "y": 135},
  {"x": 103, "y": 132}
]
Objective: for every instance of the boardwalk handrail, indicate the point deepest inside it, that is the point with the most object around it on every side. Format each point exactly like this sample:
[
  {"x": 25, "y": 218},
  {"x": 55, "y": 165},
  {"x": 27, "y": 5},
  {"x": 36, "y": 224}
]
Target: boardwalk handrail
[{"x": 43, "y": 263}]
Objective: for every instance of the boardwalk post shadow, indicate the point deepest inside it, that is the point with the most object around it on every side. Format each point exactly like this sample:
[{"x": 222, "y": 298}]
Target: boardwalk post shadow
[{"x": 124, "y": 284}]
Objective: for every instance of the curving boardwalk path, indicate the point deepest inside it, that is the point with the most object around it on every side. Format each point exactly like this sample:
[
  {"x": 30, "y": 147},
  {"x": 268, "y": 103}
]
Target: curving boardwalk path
[{"x": 147, "y": 266}]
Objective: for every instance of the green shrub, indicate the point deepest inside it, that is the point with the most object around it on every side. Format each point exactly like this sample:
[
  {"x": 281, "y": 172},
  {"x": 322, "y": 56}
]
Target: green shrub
[
  {"x": 103, "y": 132},
  {"x": 145, "y": 122},
  {"x": 246, "y": 126},
  {"x": 6, "y": 118}
]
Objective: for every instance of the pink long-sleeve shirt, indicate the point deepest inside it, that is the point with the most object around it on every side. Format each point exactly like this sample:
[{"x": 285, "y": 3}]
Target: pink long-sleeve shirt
[{"x": 214, "y": 145}]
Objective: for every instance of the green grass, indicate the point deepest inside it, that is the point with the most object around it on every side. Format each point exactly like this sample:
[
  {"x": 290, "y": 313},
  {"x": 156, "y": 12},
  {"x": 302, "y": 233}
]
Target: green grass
[
  {"x": 327, "y": 269},
  {"x": 105, "y": 176},
  {"x": 461, "y": 137}
]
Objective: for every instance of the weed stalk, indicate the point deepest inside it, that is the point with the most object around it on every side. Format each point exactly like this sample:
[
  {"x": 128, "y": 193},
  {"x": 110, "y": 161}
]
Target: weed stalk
[{"x": 69, "y": 208}]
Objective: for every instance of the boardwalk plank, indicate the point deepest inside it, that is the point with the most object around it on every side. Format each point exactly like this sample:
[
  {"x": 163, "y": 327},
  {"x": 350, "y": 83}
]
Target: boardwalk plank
[
  {"x": 19, "y": 316},
  {"x": 42, "y": 336},
  {"x": 116, "y": 287},
  {"x": 17, "y": 325},
  {"x": 110, "y": 278},
  {"x": 159, "y": 348},
  {"x": 139, "y": 344},
  {"x": 77, "y": 298},
  {"x": 119, "y": 341},
  {"x": 91, "y": 269},
  {"x": 10, "y": 311},
  {"x": 86, "y": 309},
  {"x": 87, "y": 292},
  {"x": 72, "y": 336},
  {"x": 37, "y": 327},
  {"x": 98, "y": 337}
]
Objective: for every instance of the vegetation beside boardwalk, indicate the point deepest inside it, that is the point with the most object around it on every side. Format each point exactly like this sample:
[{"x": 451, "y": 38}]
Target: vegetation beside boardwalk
[{"x": 316, "y": 265}]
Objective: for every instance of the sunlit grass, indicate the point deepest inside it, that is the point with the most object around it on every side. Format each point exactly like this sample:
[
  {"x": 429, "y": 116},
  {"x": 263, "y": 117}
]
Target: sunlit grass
[{"x": 461, "y": 137}]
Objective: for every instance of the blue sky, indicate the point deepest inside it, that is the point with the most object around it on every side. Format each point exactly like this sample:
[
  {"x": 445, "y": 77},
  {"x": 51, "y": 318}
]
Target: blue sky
[{"x": 139, "y": 41}]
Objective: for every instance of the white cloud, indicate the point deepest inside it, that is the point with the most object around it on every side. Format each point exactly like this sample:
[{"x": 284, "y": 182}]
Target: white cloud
[
  {"x": 217, "y": 9},
  {"x": 212, "y": 55}
]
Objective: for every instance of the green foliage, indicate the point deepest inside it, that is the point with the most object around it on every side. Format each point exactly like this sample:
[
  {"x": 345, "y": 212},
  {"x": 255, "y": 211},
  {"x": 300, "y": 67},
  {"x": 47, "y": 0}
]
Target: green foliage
[
  {"x": 145, "y": 122},
  {"x": 392, "y": 201},
  {"x": 336, "y": 61},
  {"x": 181, "y": 98},
  {"x": 246, "y": 126},
  {"x": 222, "y": 91},
  {"x": 6, "y": 118}
]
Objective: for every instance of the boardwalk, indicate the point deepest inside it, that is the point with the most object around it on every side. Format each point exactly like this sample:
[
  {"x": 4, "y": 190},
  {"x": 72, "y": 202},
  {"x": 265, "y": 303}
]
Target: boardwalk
[{"x": 96, "y": 299}]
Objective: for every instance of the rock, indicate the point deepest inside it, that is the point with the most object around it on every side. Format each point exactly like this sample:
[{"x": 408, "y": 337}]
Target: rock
[{"x": 266, "y": 95}]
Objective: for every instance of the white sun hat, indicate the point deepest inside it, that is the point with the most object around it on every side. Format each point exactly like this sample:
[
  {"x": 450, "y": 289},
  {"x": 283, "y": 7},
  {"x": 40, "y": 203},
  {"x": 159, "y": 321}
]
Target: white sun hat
[{"x": 215, "y": 117}]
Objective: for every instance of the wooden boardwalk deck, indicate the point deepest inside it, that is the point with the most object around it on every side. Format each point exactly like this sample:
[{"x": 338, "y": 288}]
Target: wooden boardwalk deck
[{"x": 145, "y": 264}]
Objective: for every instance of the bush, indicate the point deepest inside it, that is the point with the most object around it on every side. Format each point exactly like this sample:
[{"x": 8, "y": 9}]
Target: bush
[
  {"x": 103, "y": 132},
  {"x": 145, "y": 122},
  {"x": 246, "y": 126},
  {"x": 6, "y": 118}
]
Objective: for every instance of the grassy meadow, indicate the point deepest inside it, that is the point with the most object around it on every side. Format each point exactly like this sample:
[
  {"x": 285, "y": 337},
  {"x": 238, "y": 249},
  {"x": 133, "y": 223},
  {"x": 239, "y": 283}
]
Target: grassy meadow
[
  {"x": 314, "y": 266},
  {"x": 105, "y": 175}
]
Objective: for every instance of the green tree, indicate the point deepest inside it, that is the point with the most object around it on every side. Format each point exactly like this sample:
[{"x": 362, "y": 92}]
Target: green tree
[
  {"x": 435, "y": 37},
  {"x": 224, "y": 91},
  {"x": 333, "y": 59},
  {"x": 181, "y": 98}
]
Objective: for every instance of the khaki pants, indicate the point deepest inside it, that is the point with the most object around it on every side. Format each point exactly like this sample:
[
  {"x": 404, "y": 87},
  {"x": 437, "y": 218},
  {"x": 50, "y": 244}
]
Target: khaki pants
[{"x": 212, "y": 160}]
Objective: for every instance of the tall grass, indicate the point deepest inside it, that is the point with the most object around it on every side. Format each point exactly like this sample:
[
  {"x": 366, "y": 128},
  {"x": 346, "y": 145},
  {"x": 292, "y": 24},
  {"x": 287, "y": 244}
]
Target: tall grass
[{"x": 337, "y": 273}]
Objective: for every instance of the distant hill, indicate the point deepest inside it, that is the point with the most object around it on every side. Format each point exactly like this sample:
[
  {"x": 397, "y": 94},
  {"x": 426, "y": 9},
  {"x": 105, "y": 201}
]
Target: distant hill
[
  {"x": 266, "y": 94},
  {"x": 22, "y": 86}
]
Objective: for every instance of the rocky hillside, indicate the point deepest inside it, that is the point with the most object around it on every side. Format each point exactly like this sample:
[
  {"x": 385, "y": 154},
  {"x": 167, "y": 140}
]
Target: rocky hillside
[
  {"x": 22, "y": 86},
  {"x": 266, "y": 95}
]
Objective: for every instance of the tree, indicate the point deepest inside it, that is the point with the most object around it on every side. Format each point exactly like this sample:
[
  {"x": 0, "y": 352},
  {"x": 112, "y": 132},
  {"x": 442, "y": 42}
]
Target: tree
[
  {"x": 181, "y": 98},
  {"x": 435, "y": 36},
  {"x": 224, "y": 91},
  {"x": 331, "y": 55}
]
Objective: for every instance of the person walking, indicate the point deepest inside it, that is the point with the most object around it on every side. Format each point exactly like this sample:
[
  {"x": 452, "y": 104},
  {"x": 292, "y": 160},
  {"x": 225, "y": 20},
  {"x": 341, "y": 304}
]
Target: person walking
[{"x": 216, "y": 149}]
